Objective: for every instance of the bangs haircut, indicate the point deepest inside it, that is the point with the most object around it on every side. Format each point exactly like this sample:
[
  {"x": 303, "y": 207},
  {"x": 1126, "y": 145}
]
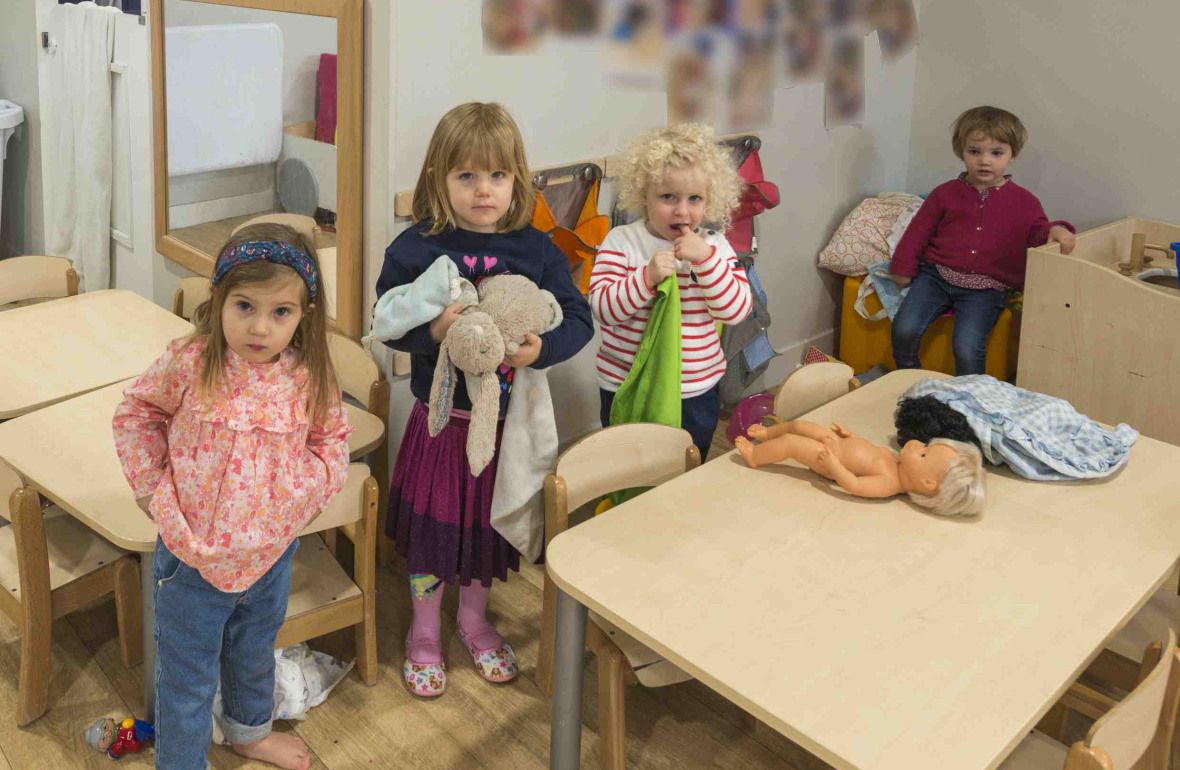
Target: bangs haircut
[
  {"x": 994, "y": 123},
  {"x": 481, "y": 137}
]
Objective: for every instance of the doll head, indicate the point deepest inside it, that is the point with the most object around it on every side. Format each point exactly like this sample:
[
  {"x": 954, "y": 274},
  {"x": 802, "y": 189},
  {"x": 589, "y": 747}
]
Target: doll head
[
  {"x": 686, "y": 156},
  {"x": 101, "y": 734},
  {"x": 925, "y": 418},
  {"x": 945, "y": 476}
]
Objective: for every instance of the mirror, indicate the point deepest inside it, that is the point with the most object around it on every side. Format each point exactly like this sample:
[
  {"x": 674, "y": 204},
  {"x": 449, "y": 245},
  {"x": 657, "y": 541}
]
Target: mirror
[{"x": 257, "y": 112}]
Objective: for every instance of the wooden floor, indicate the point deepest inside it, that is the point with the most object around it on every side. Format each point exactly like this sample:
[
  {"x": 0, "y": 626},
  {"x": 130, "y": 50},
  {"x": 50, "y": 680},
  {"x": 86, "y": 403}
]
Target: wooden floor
[{"x": 209, "y": 237}]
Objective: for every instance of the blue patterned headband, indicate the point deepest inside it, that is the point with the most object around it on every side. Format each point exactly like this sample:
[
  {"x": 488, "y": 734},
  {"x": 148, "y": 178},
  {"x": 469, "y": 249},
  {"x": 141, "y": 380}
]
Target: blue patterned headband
[{"x": 278, "y": 252}]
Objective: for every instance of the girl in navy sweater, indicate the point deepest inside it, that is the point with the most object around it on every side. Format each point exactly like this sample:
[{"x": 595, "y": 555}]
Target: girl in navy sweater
[
  {"x": 473, "y": 202},
  {"x": 966, "y": 247}
]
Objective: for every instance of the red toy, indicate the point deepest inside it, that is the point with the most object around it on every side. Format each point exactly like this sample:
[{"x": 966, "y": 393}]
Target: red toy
[{"x": 126, "y": 737}]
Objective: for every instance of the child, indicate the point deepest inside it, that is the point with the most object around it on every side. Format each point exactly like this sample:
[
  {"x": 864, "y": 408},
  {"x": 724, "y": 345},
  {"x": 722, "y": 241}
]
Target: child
[
  {"x": 945, "y": 476},
  {"x": 473, "y": 202},
  {"x": 965, "y": 248},
  {"x": 676, "y": 178},
  {"x": 233, "y": 440}
]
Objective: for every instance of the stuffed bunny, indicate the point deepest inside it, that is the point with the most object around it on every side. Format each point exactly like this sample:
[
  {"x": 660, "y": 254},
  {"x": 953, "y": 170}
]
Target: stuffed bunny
[{"x": 510, "y": 307}]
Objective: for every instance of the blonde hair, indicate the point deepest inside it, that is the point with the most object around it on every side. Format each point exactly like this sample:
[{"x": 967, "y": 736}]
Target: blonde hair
[
  {"x": 486, "y": 137},
  {"x": 994, "y": 123},
  {"x": 311, "y": 336},
  {"x": 962, "y": 489},
  {"x": 688, "y": 145}
]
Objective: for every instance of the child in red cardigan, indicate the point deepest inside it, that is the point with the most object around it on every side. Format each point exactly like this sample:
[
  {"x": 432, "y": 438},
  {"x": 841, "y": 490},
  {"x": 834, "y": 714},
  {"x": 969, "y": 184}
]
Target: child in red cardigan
[{"x": 966, "y": 247}]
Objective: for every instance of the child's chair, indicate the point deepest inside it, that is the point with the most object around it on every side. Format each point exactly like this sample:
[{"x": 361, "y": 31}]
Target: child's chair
[
  {"x": 361, "y": 379},
  {"x": 614, "y": 458},
  {"x": 26, "y": 279},
  {"x": 1135, "y": 734},
  {"x": 192, "y": 292},
  {"x": 813, "y": 386},
  {"x": 51, "y": 564},
  {"x": 325, "y": 598},
  {"x": 864, "y": 343}
]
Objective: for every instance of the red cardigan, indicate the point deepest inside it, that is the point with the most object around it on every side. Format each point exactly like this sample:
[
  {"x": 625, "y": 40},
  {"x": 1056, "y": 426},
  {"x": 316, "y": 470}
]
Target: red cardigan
[{"x": 973, "y": 232}]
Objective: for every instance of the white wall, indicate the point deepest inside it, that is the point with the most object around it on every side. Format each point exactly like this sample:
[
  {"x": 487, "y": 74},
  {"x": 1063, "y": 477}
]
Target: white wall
[
  {"x": 567, "y": 112},
  {"x": 304, "y": 39},
  {"x": 22, "y": 225},
  {"x": 1093, "y": 81}
]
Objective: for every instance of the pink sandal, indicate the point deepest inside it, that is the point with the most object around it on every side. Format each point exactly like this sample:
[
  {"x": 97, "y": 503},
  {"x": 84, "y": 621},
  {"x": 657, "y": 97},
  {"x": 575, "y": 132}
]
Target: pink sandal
[
  {"x": 426, "y": 680},
  {"x": 495, "y": 663}
]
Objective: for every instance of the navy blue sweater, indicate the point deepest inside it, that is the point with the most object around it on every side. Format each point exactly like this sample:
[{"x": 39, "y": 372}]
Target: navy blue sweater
[{"x": 527, "y": 252}]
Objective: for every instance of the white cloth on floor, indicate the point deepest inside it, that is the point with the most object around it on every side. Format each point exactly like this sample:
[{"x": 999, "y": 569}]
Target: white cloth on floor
[{"x": 303, "y": 680}]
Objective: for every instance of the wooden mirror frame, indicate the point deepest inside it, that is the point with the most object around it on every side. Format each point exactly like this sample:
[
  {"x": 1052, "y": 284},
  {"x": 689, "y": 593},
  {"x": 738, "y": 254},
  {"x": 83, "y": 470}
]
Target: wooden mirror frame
[{"x": 349, "y": 15}]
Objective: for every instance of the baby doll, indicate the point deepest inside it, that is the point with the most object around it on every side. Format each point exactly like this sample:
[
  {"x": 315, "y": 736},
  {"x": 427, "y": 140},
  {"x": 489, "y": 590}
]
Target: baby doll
[
  {"x": 126, "y": 737},
  {"x": 945, "y": 476}
]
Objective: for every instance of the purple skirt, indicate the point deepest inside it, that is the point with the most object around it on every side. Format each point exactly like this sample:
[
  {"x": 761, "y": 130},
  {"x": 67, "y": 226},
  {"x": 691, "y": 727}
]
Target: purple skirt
[{"x": 439, "y": 514}]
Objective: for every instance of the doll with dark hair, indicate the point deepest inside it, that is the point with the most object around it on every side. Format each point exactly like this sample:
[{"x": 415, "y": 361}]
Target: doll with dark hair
[{"x": 925, "y": 418}]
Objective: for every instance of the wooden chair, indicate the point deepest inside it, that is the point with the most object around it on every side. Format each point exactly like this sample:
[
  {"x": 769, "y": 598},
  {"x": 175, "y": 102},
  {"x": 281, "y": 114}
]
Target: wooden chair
[
  {"x": 362, "y": 379},
  {"x": 1134, "y": 734},
  {"x": 51, "y": 564},
  {"x": 324, "y": 597},
  {"x": 192, "y": 292},
  {"x": 34, "y": 278},
  {"x": 619, "y": 457},
  {"x": 812, "y": 386}
]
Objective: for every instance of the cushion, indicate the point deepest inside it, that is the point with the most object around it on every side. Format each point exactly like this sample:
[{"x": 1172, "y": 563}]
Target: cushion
[{"x": 862, "y": 238}]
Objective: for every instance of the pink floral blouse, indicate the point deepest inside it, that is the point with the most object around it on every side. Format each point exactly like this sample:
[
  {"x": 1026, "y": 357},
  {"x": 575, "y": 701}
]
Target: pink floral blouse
[{"x": 233, "y": 480}]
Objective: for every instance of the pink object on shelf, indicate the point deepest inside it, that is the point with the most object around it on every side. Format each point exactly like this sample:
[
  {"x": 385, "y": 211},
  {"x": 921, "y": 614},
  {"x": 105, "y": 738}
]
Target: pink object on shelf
[
  {"x": 325, "y": 111},
  {"x": 749, "y": 411}
]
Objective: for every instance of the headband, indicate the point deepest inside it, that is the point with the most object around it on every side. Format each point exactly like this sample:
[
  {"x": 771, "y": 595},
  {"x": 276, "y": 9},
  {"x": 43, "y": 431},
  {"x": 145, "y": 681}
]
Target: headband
[{"x": 278, "y": 252}]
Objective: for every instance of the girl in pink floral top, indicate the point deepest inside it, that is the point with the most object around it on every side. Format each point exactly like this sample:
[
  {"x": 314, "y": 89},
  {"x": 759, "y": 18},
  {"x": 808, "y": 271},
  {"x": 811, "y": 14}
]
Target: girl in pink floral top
[{"x": 233, "y": 441}]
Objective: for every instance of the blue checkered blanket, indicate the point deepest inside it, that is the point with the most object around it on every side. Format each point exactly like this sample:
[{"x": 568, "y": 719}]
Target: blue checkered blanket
[{"x": 1038, "y": 436}]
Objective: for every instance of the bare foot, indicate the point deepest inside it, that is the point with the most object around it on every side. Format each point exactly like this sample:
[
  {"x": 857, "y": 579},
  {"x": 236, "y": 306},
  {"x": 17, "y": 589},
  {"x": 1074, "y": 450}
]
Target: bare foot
[
  {"x": 756, "y": 432},
  {"x": 746, "y": 450},
  {"x": 286, "y": 751}
]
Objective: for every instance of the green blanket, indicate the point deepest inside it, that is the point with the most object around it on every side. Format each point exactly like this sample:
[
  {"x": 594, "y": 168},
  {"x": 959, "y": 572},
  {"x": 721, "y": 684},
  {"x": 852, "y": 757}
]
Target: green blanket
[{"x": 651, "y": 392}]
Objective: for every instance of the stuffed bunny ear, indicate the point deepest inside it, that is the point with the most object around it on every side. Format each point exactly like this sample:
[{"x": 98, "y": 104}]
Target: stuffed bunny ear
[
  {"x": 558, "y": 316},
  {"x": 442, "y": 391},
  {"x": 485, "y": 413}
]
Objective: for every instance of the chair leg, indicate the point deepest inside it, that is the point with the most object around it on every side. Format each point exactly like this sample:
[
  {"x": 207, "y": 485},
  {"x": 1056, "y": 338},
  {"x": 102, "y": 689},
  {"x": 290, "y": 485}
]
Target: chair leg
[
  {"x": 129, "y": 611},
  {"x": 36, "y": 606},
  {"x": 364, "y": 570},
  {"x": 548, "y": 639},
  {"x": 612, "y": 723}
]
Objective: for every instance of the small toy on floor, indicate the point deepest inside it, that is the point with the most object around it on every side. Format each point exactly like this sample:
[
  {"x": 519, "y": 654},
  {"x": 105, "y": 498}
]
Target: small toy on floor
[
  {"x": 945, "y": 476},
  {"x": 119, "y": 738}
]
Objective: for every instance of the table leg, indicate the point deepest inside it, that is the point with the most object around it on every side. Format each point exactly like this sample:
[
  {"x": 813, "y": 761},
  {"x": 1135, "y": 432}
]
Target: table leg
[
  {"x": 148, "y": 599},
  {"x": 565, "y": 738}
]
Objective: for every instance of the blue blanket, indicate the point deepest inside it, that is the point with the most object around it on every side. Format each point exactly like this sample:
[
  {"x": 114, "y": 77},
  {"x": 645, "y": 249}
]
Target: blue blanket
[{"x": 1038, "y": 436}]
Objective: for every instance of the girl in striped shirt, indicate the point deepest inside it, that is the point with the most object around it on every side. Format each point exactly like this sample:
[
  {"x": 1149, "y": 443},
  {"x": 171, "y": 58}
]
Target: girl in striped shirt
[{"x": 676, "y": 179}]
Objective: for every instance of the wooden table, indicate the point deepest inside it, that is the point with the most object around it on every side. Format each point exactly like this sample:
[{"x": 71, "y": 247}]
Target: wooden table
[
  {"x": 67, "y": 451},
  {"x": 875, "y": 635},
  {"x": 54, "y": 350}
]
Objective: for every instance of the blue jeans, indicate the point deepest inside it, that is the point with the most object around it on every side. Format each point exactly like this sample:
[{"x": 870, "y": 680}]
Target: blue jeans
[
  {"x": 203, "y": 635},
  {"x": 976, "y": 311},
  {"x": 698, "y": 415}
]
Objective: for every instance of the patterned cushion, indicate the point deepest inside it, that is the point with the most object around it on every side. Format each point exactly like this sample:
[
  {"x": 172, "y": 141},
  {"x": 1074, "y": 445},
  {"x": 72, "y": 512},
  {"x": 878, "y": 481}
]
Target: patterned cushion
[{"x": 863, "y": 237}]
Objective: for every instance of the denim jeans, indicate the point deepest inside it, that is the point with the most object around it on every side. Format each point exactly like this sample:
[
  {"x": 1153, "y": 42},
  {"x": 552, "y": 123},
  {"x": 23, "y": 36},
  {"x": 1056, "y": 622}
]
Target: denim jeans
[
  {"x": 698, "y": 415},
  {"x": 203, "y": 635},
  {"x": 976, "y": 311}
]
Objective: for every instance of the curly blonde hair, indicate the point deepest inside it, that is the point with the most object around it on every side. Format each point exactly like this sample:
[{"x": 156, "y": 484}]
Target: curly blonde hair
[{"x": 688, "y": 145}]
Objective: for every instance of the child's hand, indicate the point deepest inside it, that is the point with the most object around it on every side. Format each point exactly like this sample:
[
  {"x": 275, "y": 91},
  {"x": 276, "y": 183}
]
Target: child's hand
[
  {"x": 439, "y": 326},
  {"x": 1064, "y": 237},
  {"x": 143, "y": 505},
  {"x": 661, "y": 265},
  {"x": 901, "y": 280},
  {"x": 691, "y": 247},
  {"x": 527, "y": 354}
]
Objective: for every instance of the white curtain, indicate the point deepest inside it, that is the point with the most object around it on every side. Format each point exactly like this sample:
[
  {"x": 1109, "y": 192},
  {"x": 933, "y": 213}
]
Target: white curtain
[{"x": 78, "y": 162}]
